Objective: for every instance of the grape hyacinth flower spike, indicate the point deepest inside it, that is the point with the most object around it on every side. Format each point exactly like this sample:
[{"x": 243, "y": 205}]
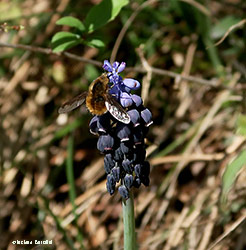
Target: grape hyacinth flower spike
[{"x": 123, "y": 143}]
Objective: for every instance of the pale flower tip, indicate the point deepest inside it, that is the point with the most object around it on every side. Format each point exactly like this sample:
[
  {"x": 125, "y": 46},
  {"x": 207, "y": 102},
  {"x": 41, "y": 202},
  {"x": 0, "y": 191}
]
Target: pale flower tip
[
  {"x": 115, "y": 65},
  {"x": 131, "y": 83},
  {"x": 121, "y": 67},
  {"x": 107, "y": 66}
]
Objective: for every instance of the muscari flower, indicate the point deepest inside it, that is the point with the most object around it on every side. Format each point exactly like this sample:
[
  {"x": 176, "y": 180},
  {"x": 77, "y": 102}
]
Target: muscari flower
[
  {"x": 114, "y": 69},
  {"x": 123, "y": 144}
]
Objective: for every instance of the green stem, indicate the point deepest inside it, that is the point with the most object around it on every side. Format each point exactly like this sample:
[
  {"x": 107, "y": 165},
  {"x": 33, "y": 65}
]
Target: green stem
[{"x": 129, "y": 223}]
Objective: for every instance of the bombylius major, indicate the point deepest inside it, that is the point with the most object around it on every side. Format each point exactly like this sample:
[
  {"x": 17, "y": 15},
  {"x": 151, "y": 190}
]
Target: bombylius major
[{"x": 98, "y": 100}]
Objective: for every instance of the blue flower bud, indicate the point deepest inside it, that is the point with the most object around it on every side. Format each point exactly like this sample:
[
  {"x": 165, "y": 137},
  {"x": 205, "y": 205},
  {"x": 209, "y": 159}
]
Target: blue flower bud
[
  {"x": 115, "y": 65},
  {"x": 105, "y": 143},
  {"x": 131, "y": 83},
  {"x": 116, "y": 173},
  {"x": 103, "y": 122},
  {"x": 137, "y": 182},
  {"x": 123, "y": 192},
  {"x": 128, "y": 181},
  {"x": 107, "y": 66},
  {"x": 135, "y": 117},
  {"x": 109, "y": 163},
  {"x": 125, "y": 147},
  {"x": 125, "y": 100},
  {"x": 127, "y": 165},
  {"x": 114, "y": 70},
  {"x": 93, "y": 125},
  {"x": 123, "y": 88},
  {"x": 123, "y": 131},
  {"x": 115, "y": 91},
  {"x": 121, "y": 67},
  {"x": 110, "y": 184},
  {"x": 138, "y": 170},
  {"x": 137, "y": 100},
  {"x": 147, "y": 116},
  {"x": 138, "y": 137},
  {"x": 114, "y": 78},
  {"x": 118, "y": 154}
]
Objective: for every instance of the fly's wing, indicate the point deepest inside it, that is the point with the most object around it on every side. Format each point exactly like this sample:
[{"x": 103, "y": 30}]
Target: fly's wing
[
  {"x": 73, "y": 103},
  {"x": 116, "y": 110}
]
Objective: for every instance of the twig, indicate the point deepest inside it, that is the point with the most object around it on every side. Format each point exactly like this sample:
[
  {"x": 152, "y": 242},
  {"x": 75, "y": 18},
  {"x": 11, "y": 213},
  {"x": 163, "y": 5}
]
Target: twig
[
  {"x": 208, "y": 229},
  {"x": 188, "y": 157},
  {"x": 235, "y": 26},
  {"x": 125, "y": 28},
  {"x": 163, "y": 72},
  {"x": 174, "y": 230},
  {"x": 199, "y": 6},
  {"x": 147, "y": 78},
  {"x": 48, "y": 51},
  {"x": 228, "y": 231},
  {"x": 184, "y": 90}
]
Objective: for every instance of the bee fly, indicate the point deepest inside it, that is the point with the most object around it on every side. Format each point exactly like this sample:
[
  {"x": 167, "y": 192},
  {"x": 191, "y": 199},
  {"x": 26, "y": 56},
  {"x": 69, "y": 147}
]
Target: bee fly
[{"x": 98, "y": 100}]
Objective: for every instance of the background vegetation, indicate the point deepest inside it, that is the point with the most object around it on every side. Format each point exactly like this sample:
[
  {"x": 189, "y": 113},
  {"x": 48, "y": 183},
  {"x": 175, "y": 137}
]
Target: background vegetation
[{"x": 52, "y": 178}]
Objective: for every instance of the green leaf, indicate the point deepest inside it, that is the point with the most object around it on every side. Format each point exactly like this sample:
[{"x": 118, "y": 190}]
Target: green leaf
[
  {"x": 64, "y": 35},
  {"x": 95, "y": 43},
  {"x": 64, "y": 40},
  {"x": 231, "y": 172},
  {"x": 72, "y": 22},
  {"x": 64, "y": 46},
  {"x": 103, "y": 13},
  {"x": 241, "y": 125},
  {"x": 222, "y": 26}
]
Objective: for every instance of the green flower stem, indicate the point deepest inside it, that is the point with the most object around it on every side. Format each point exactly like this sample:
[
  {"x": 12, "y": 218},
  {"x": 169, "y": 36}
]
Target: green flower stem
[{"x": 129, "y": 223}]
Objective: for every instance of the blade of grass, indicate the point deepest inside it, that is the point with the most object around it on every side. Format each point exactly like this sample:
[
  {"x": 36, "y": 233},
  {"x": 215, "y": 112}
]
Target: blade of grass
[
  {"x": 231, "y": 173},
  {"x": 71, "y": 182},
  {"x": 204, "y": 27},
  {"x": 181, "y": 139},
  {"x": 44, "y": 206}
]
